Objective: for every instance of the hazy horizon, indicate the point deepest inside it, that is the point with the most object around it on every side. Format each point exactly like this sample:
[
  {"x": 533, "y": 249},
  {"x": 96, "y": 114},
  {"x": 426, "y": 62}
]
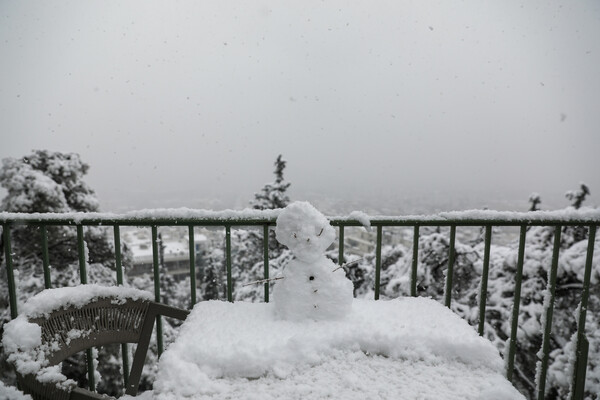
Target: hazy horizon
[{"x": 395, "y": 106}]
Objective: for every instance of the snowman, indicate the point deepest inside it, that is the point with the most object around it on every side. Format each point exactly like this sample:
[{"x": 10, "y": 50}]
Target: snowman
[{"x": 312, "y": 288}]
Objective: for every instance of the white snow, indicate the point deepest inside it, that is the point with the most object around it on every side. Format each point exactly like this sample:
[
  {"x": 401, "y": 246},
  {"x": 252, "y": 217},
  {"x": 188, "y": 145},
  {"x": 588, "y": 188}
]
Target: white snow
[
  {"x": 306, "y": 231},
  {"x": 52, "y": 299},
  {"x": 566, "y": 215},
  {"x": 361, "y": 217},
  {"x": 11, "y": 393},
  {"x": 406, "y": 348},
  {"x": 22, "y": 340},
  {"x": 310, "y": 289},
  {"x": 313, "y": 291}
]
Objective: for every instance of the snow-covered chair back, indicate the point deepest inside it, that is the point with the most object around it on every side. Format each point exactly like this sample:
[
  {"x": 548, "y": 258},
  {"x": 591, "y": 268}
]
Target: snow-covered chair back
[
  {"x": 106, "y": 323},
  {"x": 71, "y": 329}
]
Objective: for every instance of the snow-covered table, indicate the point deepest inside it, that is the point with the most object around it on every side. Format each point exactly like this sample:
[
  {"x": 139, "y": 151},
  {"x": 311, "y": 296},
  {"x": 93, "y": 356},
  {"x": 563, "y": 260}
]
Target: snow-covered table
[{"x": 410, "y": 348}]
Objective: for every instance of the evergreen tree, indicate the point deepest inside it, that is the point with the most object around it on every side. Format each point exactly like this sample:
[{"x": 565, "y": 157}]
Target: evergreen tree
[
  {"x": 431, "y": 273},
  {"x": 273, "y": 195},
  {"x": 248, "y": 250},
  {"x": 213, "y": 278},
  {"x": 535, "y": 200},
  {"x": 52, "y": 182},
  {"x": 572, "y": 234},
  {"x": 577, "y": 197}
]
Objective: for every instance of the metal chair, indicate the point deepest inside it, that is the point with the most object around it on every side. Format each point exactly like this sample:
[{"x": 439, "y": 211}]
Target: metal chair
[{"x": 104, "y": 321}]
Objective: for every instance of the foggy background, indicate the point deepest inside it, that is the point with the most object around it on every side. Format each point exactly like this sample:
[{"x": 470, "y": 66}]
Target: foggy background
[{"x": 386, "y": 106}]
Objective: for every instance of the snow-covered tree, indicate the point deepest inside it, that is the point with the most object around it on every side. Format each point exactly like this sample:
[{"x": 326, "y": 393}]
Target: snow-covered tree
[
  {"x": 577, "y": 197},
  {"x": 273, "y": 195},
  {"x": 247, "y": 245},
  {"x": 396, "y": 265},
  {"x": 52, "y": 182},
  {"x": 212, "y": 285},
  {"x": 535, "y": 199}
]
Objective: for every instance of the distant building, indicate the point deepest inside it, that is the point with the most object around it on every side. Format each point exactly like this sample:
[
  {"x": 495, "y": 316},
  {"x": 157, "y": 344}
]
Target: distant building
[{"x": 176, "y": 251}]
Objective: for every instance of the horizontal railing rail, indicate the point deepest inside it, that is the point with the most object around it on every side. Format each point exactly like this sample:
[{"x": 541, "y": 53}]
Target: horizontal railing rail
[{"x": 267, "y": 219}]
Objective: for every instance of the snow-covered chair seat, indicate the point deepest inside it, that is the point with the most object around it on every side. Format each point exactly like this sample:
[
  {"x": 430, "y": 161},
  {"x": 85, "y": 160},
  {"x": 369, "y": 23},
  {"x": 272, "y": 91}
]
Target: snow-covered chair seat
[{"x": 57, "y": 323}]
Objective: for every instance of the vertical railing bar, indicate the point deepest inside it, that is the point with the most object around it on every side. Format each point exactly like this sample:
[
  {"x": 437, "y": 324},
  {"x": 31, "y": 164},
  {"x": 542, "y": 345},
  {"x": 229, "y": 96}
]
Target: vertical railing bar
[
  {"x": 83, "y": 280},
  {"x": 12, "y": 291},
  {"x": 415, "y": 262},
  {"x": 578, "y": 388},
  {"x": 551, "y": 289},
  {"x": 341, "y": 245},
  {"x": 580, "y": 365},
  {"x": 228, "y": 263},
  {"x": 81, "y": 254},
  {"x": 119, "y": 268},
  {"x": 159, "y": 333},
  {"x": 118, "y": 256},
  {"x": 450, "y": 271},
  {"x": 510, "y": 358},
  {"x": 378, "y": 261},
  {"x": 266, "y": 260},
  {"x": 484, "y": 278},
  {"x": 45, "y": 257},
  {"x": 192, "y": 249}
]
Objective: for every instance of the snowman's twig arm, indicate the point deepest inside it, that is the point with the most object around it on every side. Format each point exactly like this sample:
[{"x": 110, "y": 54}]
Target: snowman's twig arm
[
  {"x": 348, "y": 263},
  {"x": 263, "y": 281}
]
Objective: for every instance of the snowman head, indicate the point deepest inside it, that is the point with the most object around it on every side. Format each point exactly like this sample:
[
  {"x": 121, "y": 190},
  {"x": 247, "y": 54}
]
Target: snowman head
[{"x": 304, "y": 230}]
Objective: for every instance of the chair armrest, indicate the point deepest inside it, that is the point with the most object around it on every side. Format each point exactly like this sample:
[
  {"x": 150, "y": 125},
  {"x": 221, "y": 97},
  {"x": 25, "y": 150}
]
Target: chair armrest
[{"x": 154, "y": 309}]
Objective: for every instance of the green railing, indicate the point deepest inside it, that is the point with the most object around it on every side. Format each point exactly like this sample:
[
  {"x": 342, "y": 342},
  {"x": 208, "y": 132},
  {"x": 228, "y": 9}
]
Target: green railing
[{"x": 266, "y": 219}]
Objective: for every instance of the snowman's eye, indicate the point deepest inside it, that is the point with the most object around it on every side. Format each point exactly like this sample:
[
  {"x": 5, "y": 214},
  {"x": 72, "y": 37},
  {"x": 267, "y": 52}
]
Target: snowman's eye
[
  {"x": 295, "y": 237},
  {"x": 311, "y": 278},
  {"x": 319, "y": 234}
]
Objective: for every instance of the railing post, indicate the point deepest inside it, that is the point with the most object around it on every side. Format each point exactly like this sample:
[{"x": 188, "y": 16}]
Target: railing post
[
  {"x": 83, "y": 279},
  {"x": 119, "y": 268},
  {"x": 266, "y": 260},
  {"x": 341, "y": 246},
  {"x": 415, "y": 262},
  {"x": 484, "y": 278},
  {"x": 10, "y": 274},
  {"x": 159, "y": 336},
  {"x": 548, "y": 310},
  {"x": 192, "y": 250},
  {"x": 510, "y": 358},
  {"x": 228, "y": 263},
  {"x": 118, "y": 257},
  {"x": 581, "y": 346},
  {"x": 450, "y": 272},
  {"x": 378, "y": 261},
  {"x": 45, "y": 257},
  {"x": 81, "y": 254}
]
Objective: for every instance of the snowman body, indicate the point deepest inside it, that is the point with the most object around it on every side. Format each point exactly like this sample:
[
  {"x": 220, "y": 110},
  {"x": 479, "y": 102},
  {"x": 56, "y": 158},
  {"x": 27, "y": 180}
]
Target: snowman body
[{"x": 311, "y": 289}]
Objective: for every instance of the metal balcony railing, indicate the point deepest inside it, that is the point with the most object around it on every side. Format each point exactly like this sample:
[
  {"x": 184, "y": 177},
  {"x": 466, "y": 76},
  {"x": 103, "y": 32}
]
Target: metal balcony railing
[{"x": 266, "y": 219}]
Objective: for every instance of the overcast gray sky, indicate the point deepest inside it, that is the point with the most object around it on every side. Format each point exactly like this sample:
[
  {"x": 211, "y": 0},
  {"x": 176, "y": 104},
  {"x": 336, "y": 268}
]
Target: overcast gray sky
[{"x": 172, "y": 102}]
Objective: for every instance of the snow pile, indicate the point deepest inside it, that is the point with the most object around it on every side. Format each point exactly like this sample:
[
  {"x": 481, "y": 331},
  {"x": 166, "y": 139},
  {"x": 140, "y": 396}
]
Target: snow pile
[
  {"x": 312, "y": 291},
  {"x": 10, "y": 393},
  {"x": 312, "y": 288},
  {"x": 221, "y": 345},
  {"x": 361, "y": 217},
  {"x": 53, "y": 299},
  {"x": 22, "y": 340},
  {"x": 305, "y": 231}
]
